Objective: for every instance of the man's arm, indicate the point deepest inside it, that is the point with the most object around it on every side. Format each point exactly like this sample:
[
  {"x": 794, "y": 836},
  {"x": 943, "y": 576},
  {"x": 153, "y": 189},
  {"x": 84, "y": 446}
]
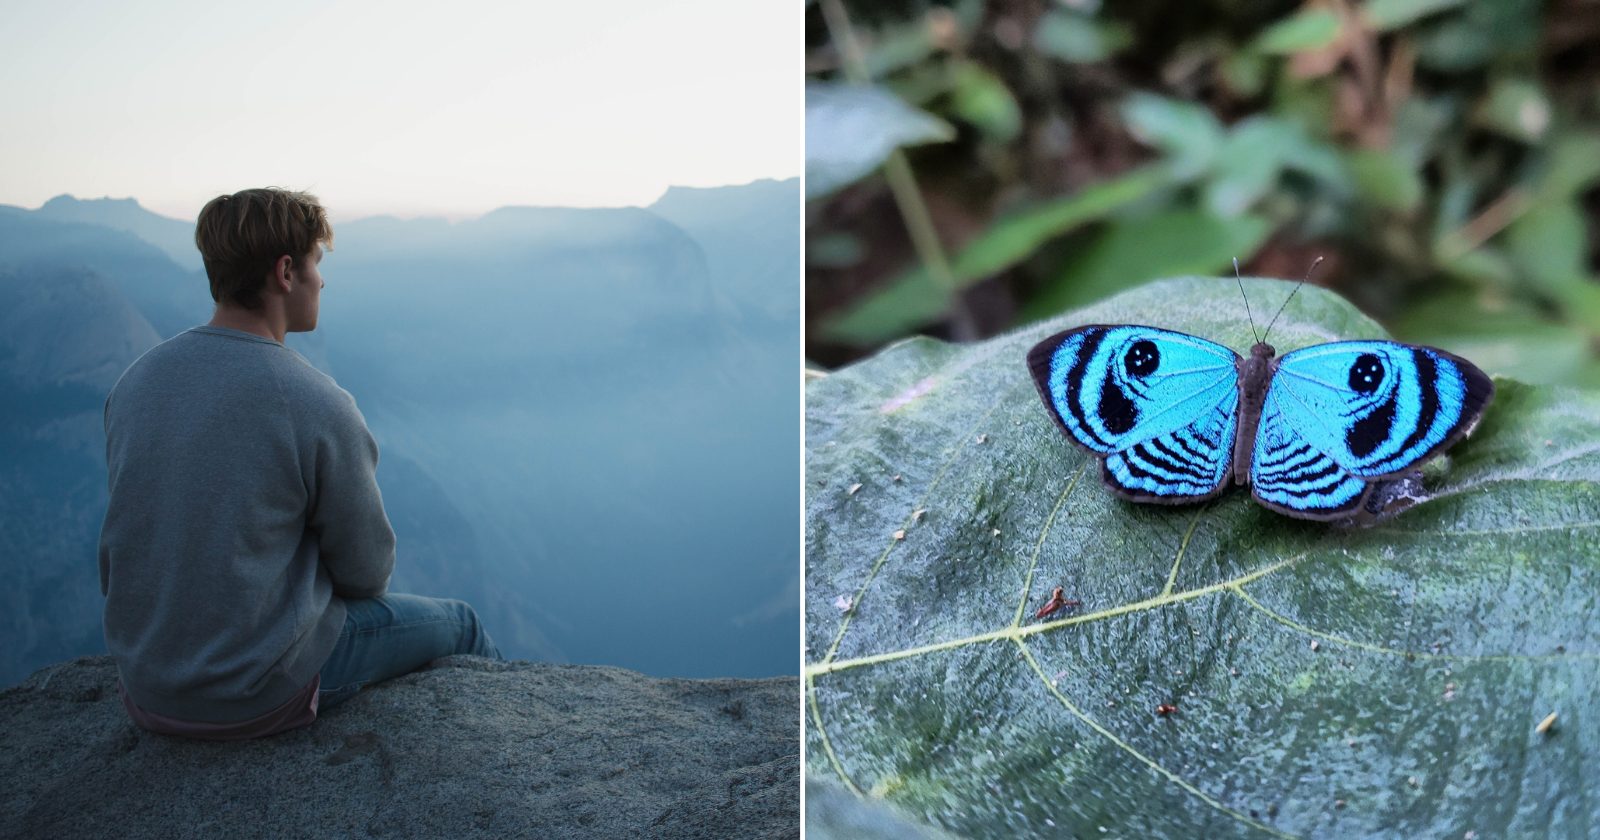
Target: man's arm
[{"x": 356, "y": 542}]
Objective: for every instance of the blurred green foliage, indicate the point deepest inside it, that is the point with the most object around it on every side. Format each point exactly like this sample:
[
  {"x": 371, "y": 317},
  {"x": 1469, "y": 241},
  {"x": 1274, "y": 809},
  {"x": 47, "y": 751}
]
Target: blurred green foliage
[{"x": 1442, "y": 155}]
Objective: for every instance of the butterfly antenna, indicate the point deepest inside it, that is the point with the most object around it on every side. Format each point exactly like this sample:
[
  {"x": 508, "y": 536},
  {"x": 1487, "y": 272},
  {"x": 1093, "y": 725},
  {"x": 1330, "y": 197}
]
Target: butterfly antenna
[
  {"x": 1246, "y": 299},
  {"x": 1286, "y": 300}
]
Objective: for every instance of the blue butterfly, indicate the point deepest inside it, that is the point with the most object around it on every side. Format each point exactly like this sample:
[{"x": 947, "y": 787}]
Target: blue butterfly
[{"x": 1328, "y": 432}]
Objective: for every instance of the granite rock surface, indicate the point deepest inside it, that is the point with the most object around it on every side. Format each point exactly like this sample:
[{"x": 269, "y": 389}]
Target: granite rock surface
[{"x": 467, "y": 748}]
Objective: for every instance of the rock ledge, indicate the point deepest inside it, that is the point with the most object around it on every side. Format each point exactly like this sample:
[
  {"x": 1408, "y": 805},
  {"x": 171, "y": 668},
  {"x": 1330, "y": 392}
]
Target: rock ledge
[{"x": 468, "y": 748}]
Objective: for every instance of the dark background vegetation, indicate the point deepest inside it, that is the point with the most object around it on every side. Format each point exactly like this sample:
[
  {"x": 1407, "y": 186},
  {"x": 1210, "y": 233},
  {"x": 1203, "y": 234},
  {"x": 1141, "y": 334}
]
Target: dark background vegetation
[{"x": 976, "y": 166}]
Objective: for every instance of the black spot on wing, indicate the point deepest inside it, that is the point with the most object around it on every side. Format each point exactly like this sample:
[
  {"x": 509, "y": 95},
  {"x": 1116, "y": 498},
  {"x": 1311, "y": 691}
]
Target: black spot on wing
[
  {"x": 1366, "y": 375},
  {"x": 1117, "y": 413},
  {"x": 1142, "y": 359},
  {"x": 1369, "y": 433}
]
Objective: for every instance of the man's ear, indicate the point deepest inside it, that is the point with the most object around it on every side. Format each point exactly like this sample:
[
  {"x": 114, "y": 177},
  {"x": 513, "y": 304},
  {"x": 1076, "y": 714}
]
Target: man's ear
[{"x": 280, "y": 273}]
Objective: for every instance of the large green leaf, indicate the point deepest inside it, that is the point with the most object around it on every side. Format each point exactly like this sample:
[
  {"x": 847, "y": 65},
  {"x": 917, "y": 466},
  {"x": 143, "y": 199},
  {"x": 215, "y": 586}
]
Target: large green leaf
[
  {"x": 1517, "y": 108},
  {"x": 1329, "y": 682},
  {"x": 1246, "y": 167},
  {"x": 1189, "y": 134},
  {"x": 979, "y": 98},
  {"x": 1572, "y": 164},
  {"x": 1513, "y": 340},
  {"x": 1550, "y": 244},
  {"x": 1076, "y": 38},
  {"x": 852, "y": 129},
  {"x": 1134, "y": 251},
  {"x": 1307, "y": 30},
  {"x": 1386, "y": 179},
  {"x": 1384, "y": 15},
  {"x": 914, "y": 298}
]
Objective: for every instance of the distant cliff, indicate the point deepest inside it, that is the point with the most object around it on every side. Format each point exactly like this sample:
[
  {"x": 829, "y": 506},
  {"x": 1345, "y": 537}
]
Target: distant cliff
[{"x": 470, "y": 748}]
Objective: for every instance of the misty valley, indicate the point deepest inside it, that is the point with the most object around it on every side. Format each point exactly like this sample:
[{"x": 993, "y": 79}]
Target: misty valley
[{"x": 588, "y": 418}]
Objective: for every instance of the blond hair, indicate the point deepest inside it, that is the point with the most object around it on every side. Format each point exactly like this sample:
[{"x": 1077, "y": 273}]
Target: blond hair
[{"x": 241, "y": 237}]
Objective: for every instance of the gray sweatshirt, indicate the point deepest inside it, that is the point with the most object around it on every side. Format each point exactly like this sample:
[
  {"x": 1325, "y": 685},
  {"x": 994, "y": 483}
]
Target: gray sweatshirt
[{"x": 244, "y": 506}]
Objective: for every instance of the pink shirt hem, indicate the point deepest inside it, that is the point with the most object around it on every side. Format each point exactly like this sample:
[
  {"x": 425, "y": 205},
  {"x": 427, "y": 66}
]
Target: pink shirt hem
[{"x": 300, "y": 710}]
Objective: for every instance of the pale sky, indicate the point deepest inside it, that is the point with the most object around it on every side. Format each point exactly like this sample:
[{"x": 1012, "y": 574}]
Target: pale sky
[{"x": 399, "y": 107}]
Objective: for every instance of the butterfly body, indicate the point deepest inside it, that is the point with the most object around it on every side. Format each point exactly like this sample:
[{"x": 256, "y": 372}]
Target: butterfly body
[
  {"x": 1254, "y": 373},
  {"x": 1177, "y": 419}
]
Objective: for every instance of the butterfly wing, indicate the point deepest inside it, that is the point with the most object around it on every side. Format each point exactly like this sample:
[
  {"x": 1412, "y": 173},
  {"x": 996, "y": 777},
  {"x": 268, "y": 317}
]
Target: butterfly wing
[
  {"x": 1159, "y": 407},
  {"x": 1340, "y": 417}
]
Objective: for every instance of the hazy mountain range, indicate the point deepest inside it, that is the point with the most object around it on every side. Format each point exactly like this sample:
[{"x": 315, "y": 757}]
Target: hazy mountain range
[{"x": 588, "y": 418}]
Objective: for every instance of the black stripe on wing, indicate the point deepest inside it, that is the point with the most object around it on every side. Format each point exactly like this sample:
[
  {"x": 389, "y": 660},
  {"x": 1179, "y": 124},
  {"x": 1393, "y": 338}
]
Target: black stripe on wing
[
  {"x": 1069, "y": 413},
  {"x": 1290, "y": 476},
  {"x": 1176, "y": 468},
  {"x": 1379, "y": 408},
  {"x": 1453, "y": 393}
]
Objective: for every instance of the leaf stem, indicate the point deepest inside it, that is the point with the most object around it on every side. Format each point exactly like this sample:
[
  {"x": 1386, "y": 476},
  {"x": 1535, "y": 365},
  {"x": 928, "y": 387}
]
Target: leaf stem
[
  {"x": 1481, "y": 228},
  {"x": 903, "y": 182},
  {"x": 829, "y": 666},
  {"x": 822, "y": 733},
  {"x": 1146, "y": 760}
]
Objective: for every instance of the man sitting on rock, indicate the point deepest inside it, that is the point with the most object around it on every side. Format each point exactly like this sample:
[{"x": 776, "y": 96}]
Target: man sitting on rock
[{"x": 245, "y": 554}]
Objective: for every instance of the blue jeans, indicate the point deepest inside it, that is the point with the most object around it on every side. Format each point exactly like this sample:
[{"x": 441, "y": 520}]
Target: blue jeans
[{"x": 395, "y": 634}]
